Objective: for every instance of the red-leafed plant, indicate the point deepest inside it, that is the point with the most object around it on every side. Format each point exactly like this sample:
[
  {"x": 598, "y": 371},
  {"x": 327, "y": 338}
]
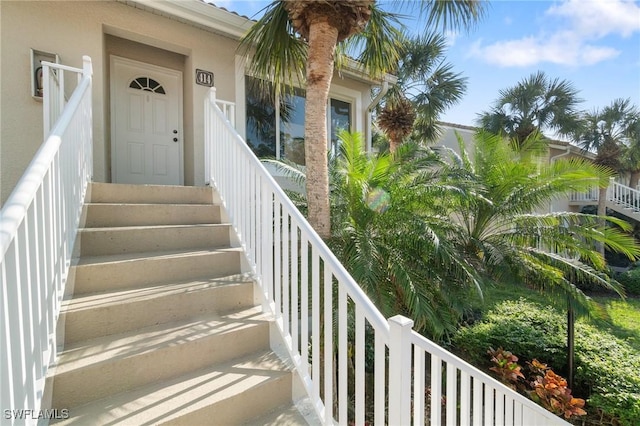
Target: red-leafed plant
[
  {"x": 544, "y": 386},
  {"x": 506, "y": 367},
  {"x": 550, "y": 390}
]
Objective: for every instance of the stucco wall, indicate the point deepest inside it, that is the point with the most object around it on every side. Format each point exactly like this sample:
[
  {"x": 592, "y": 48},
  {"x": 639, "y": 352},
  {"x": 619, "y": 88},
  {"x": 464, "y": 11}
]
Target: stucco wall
[{"x": 76, "y": 28}]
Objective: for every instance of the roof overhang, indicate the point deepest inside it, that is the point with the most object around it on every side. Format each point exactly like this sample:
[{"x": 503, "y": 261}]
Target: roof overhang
[
  {"x": 199, "y": 14},
  {"x": 209, "y": 17}
]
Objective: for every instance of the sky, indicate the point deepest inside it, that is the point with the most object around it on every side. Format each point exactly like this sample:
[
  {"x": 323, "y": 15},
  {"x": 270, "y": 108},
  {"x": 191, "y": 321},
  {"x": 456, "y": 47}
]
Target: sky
[{"x": 594, "y": 44}]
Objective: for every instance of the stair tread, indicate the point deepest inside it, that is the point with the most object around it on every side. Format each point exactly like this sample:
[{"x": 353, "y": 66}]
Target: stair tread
[
  {"x": 179, "y": 204},
  {"x": 130, "y": 228},
  {"x": 104, "y": 299},
  {"x": 171, "y": 399},
  {"x": 162, "y": 254},
  {"x": 119, "y": 346}
]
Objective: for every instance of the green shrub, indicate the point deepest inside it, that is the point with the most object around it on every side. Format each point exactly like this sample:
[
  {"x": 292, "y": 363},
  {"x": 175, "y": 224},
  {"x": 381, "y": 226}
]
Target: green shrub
[
  {"x": 527, "y": 330},
  {"x": 607, "y": 368},
  {"x": 631, "y": 281}
]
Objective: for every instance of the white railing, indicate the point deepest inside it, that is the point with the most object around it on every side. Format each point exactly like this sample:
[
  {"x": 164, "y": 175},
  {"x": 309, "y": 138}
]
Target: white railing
[
  {"x": 356, "y": 365},
  {"x": 625, "y": 196},
  {"x": 617, "y": 193},
  {"x": 38, "y": 226}
]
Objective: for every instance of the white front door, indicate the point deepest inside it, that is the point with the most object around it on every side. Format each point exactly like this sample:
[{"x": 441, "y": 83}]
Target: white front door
[{"x": 146, "y": 123}]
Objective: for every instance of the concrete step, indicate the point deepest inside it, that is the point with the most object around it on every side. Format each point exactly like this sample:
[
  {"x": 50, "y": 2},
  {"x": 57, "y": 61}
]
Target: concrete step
[
  {"x": 151, "y": 194},
  {"x": 115, "y": 272},
  {"x": 100, "y": 314},
  {"x": 286, "y": 415},
  {"x": 94, "y": 369},
  {"x": 224, "y": 394},
  {"x": 104, "y": 241},
  {"x": 111, "y": 215}
]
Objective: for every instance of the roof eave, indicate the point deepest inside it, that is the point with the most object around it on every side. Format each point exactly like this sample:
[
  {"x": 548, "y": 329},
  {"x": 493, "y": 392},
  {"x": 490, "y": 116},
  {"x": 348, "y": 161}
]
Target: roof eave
[{"x": 198, "y": 13}]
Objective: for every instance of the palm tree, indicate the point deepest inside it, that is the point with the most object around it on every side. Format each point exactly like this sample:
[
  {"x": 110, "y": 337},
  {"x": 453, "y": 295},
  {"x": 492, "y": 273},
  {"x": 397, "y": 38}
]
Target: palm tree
[
  {"x": 608, "y": 132},
  {"x": 428, "y": 81},
  {"x": 552, "y": 252},
  {"x": 295, "y": 33},
  {"x": 535, "y": 104},
  {"x": 396, "y": 120}
]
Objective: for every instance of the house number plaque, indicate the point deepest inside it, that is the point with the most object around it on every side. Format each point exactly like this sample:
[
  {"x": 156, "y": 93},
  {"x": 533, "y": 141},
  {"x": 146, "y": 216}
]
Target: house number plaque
[{"x": 204, "y": 78}]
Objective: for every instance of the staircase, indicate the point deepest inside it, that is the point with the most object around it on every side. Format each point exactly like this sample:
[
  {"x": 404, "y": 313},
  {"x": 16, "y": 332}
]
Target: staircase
[
  {"x": 162, "y": 327},
  {"x": 620, "y": 198}
]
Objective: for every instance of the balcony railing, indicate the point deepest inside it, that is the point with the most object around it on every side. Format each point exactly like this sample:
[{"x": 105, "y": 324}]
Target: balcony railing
[
  {"x": 38, "y": 227},
  {"x": 355, "y": 365},
  {"x": 617, "y": 193}
]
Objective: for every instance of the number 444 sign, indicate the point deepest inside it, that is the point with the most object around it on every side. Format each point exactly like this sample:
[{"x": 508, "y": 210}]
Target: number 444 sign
[{"x": 204, "y": 78}]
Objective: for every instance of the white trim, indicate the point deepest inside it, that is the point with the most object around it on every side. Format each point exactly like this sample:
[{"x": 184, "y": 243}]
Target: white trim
[
  {"x": 113, "y": 59},
  {"x": 198, "y": 13}
]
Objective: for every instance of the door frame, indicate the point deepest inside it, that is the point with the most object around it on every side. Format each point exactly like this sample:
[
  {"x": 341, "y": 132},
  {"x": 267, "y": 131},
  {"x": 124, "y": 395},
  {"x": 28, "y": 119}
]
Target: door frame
[{"x": 113, "y": 59}]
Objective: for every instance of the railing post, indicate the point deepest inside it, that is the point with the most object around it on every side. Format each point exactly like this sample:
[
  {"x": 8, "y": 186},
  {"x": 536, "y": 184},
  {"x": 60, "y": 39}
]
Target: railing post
[
  {"x": 611, "y": 190},
  {"x": 399, "y": 370},
  {"x": 46, "y": 108},
  {"x": 87, "y": 67}
]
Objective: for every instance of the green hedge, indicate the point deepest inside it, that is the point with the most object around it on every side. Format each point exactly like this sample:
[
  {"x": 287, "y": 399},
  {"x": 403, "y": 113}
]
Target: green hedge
[
  {"x": 607, "y": 368},
  {"x": 631, "y": 281}
]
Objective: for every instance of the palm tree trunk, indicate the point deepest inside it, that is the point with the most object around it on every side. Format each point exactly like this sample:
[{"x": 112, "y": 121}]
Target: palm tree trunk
[
  {"x": 322, "y": 42},
  {"x": 633, "y": 180}
]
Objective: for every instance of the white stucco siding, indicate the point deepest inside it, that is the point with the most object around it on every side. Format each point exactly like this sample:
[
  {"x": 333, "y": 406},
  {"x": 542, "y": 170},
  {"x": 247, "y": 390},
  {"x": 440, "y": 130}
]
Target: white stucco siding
[{"x": 72, "y": 29}]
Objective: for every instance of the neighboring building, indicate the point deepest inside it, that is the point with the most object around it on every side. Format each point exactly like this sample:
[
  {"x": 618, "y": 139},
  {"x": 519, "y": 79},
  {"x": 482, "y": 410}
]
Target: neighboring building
[{"x": 148, "y": 86}]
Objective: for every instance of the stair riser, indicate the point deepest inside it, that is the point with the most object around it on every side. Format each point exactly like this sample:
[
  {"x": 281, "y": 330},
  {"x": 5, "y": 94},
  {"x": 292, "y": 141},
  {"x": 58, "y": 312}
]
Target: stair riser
[
  {"x": 114, "y": 276},
  {"x": 112, "y": 215},
  {"x": 240, "y": 408},
  {"x": 115, "y": 193},
  {"x": 78, "y": 387},
  {"x": 134, "y": 314},
  {"x": 96, "y": 242}
]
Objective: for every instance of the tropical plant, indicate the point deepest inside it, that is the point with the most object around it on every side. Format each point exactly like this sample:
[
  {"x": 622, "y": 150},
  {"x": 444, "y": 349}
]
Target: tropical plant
[
  {"x": 428, "y": 81},
  {"x": 612, "y": 134},
  {"x": 391, "y": 231},
  {"x": 549, "y": 251},
  {"x": 293, "y": 34},
  {"x": 396, "y": 120},
  {"x": 535, "y": 104}
]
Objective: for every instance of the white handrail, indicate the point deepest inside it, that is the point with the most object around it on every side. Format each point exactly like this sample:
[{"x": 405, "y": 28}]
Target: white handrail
[
  {"x": 326, "y": 320},
  {"x": 617, "y": 193},
  {"x": 624, "y": 195},
  {"x": 38, "y": 227}
]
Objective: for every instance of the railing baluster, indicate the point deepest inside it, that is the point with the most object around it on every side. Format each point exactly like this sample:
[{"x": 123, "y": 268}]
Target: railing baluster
[
  {"x": 285, "y": 273},
  {"x": 315, "y": 321},
  {"x": 343, "y": 393},
  {"x": 379, "y": 379},
  {"x": 452, "y": 394},
  {"x": 418, "y": 386},
  {"x": 304, "y": 307},
  {"x": 328, "y": 344},
  {"x": 359, "y": 354},
  {"x": 436, "y": 390},
  {"x": 295, "y": 283},
  {"x": 465, "y": 398}
]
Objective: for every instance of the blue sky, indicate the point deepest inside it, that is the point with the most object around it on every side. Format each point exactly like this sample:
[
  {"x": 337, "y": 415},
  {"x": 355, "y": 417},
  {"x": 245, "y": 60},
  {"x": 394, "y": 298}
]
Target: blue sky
[{"x": 595, "y": 44}]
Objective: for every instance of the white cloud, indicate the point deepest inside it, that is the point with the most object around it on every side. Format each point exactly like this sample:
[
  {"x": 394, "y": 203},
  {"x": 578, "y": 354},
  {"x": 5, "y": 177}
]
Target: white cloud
[
  {"x": 451, "y": 37},
  {"x": 581, "y": 23},
  {"x": 598, "y": 18}
]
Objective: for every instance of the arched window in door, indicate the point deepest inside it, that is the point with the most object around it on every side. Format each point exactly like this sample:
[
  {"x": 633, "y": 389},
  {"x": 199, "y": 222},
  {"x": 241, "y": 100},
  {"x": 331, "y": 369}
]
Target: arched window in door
[{"x": 147, "y": 84}]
